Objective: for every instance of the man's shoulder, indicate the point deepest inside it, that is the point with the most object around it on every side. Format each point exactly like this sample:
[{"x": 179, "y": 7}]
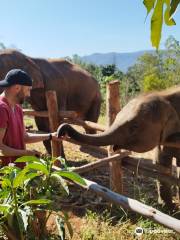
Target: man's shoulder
[
  {"x": 3, "y": 104},
  {"x": 4, "y": 108}
]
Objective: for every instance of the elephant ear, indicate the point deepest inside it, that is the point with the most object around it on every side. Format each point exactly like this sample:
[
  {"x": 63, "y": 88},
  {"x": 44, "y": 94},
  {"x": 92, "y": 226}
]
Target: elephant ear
[{"x": 171, "y": 124}]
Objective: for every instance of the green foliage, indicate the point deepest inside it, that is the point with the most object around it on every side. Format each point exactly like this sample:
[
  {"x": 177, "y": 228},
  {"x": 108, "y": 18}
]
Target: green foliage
[
  {"x": 173, "y": 6},
  {"x": 159, "y": 70},
  {"x": 153, "y": 82},
  {"x": 162, "y": 13},
  {"x": 26, "y": 191},
  {"x": 156, "y": 24},
  {"x": 130, "y": 84},
  {"x": 173, "y": 48},
  {"x": 150, "y": 72},
  {"x": 108, "y": 70},
  {"x": 117, "y": 75}
]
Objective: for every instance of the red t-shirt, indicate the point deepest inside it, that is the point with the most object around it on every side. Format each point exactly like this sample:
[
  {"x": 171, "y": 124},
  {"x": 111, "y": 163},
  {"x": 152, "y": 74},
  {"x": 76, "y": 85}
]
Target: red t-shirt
[{"x": 12, "y": 121}]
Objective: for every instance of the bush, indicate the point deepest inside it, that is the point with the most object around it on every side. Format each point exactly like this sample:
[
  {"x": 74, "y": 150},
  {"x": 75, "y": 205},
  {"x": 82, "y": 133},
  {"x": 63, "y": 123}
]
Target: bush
[
  {"x": 153, "y": 82},
  {"x": 27, "y": 198}
]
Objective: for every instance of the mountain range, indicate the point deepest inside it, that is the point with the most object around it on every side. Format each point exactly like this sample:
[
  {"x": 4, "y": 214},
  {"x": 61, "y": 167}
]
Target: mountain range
[{"x": 122, "y": 60}]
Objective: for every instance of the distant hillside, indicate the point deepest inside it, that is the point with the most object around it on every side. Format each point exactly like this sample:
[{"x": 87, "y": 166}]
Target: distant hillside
[{"x": 122, "y": 60}]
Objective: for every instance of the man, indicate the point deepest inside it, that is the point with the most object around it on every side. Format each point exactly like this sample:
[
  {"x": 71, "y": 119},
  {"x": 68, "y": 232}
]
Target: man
[{"x": 13, "y": 137}]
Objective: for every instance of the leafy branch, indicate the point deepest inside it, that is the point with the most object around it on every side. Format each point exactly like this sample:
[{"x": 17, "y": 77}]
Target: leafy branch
[{"x": 162, "y": 12}]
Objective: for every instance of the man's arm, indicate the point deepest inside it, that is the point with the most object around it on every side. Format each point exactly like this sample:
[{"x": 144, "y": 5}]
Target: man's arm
[
  {"x": 33, "y": 138},
  {"x": 8, "y": 151}
]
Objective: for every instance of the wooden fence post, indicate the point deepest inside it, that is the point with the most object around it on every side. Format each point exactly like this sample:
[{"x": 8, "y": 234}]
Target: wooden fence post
[
  {"x": 54, "y": 120},
  {"x": 113, "y": 107}
]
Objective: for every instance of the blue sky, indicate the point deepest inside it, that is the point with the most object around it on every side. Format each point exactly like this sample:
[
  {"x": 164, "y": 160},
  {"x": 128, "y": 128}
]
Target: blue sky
[{"x": 57, "y": 28}]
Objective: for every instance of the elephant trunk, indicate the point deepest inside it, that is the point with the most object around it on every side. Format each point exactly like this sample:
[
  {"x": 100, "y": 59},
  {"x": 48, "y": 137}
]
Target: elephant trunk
[{"x": 103, "y": 139}]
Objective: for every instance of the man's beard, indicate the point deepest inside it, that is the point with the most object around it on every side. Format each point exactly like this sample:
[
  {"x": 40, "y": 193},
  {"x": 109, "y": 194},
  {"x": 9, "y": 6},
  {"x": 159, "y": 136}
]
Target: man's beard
[{"x": 20, "y": 98}]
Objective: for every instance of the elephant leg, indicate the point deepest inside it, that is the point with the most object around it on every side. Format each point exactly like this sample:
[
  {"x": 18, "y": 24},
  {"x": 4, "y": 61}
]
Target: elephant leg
[
  {"x": 175, "y": 138},
  {"x": 171, "y": 134},
  {"x": 164, "y": 190},
  {"x": 165, "y": 156},
  {"x": 93, "y": 114},
  {"x": 177, "y": 174}
]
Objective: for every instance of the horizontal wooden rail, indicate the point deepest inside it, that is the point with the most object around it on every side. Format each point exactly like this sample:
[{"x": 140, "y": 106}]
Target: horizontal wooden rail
[
  {"x": 100, "y": 162},
  {"x": 146, "y": 167},
  {"x": 135, "y": 206},
  {"x": 62, "y": 114},
  {"x": 132, "y": 204},
  {"x": 146, "y": 164}
]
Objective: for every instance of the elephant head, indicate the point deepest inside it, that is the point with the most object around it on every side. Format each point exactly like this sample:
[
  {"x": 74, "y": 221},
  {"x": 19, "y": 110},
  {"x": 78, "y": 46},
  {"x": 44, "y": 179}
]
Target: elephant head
[{"x": 142, "y": 124}]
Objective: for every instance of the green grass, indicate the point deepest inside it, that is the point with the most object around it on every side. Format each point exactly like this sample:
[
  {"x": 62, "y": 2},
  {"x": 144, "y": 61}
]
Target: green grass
[{"x": 101, "y": 227}]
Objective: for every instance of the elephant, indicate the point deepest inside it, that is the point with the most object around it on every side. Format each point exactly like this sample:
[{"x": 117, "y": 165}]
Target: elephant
[
  {"x": 144, "y": 123},
  {"x": 75, "y": 88}
]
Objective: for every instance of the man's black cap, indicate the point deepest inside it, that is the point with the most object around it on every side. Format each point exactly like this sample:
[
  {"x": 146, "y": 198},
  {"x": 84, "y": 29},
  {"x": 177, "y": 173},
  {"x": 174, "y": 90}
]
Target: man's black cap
[{"x": 16, "y": 76}]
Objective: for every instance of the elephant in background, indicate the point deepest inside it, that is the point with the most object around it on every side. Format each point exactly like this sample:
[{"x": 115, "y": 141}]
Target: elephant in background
[{"x": 76, "y": 89}]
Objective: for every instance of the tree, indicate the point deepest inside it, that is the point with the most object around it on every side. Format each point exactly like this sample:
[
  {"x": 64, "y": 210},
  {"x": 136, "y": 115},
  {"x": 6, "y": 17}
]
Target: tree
[
  {"x": 173, "y": 47},
  {"x": 108, "y": 70},
  {"x": 155, "y": 71},
  {"x": 159, "y": 16},
  {"x": 153, "y": 82},
  {"x": 172, "y": 60},
  {"x": 77, "y": 60},
  {"x": 146, "y": 65}
]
